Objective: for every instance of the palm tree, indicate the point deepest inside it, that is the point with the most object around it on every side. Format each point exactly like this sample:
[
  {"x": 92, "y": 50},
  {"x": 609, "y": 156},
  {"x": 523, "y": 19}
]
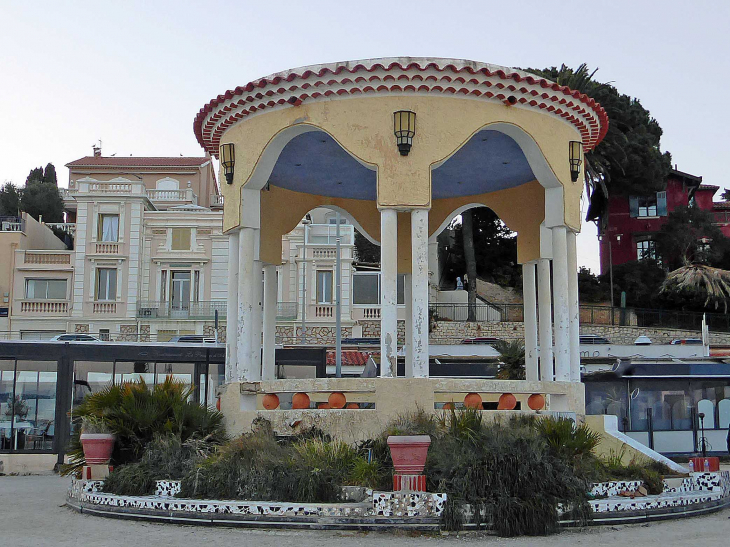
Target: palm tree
[
  {"x": 512, "y": 357},
  {"x": 699, "y": 282}
]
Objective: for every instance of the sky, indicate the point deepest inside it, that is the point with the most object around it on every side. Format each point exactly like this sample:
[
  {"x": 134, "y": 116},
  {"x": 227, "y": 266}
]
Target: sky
[{"x": 134, "y": 74}]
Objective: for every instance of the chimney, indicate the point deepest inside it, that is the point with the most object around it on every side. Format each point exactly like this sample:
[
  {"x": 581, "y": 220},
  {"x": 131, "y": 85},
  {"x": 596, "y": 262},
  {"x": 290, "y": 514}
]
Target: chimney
[{"x": 97, "y": 151}]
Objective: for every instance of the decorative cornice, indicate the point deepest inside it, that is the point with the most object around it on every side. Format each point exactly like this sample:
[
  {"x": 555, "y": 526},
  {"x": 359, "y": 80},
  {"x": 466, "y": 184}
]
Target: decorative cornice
[{"x": 402, "y": 75}]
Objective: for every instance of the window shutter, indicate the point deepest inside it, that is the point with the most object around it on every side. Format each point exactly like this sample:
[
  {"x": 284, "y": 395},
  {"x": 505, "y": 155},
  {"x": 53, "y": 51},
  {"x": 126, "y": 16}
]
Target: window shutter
[
  {"x": 634, "y": 206},
  {"x": 661, "y": 204}
]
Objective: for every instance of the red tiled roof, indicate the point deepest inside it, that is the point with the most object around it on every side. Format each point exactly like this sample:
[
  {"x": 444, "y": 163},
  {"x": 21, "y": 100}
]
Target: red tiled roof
[
  {"x": 349, "y": 358},
  {"x": 708, "y": 187},
  {"x": 721, "y": 205},
  {"x": 108, "y": 161}
]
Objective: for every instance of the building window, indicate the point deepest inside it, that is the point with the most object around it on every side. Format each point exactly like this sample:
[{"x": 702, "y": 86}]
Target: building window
[
  {"x": 180, "y": 290},
  {"x": 108, "y": 228},
  {"x": 333, "y": 220},
  {"x": 647, "y": 206},
  {"x": 180, "y": 239},
  {"x": 106, "y": 284},
  {"x": 646, "y": 250},
  {"x": 45, "y": 289},
  {"x": 324, "y": 287}
]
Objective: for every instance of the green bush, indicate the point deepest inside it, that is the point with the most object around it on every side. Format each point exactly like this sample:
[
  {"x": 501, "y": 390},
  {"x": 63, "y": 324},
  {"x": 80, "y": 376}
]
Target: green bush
[
  {"x": 256, "y": 466},
  {"x": 137, "y": 414},
  {"x": 165, "y": 458},
  {"x": 507, "y": 473}
]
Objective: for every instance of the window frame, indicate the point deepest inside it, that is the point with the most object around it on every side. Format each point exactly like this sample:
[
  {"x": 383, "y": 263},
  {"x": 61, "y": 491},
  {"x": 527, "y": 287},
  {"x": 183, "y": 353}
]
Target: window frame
[
  {"x": 323, "y": 301},
  {"x": 180, "y": 230},
  {"x": 46, "y": 280},
  {"x": 107, "y": 284},
  {"x": 100, "y": 227}
]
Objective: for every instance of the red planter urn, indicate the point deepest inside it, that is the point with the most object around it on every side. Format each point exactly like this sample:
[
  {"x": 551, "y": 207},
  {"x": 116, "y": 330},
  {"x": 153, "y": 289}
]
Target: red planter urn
[
  {"x": 409, "y": 453},
  {"x": 98, "y": 447}
]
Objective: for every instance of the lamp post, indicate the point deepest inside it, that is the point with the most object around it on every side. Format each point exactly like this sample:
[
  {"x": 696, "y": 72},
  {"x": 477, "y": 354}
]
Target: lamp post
[
  {"x": 610, "y": 265},
  {"x": 305, "y": 223},
  {"x": 338, "y": 303},
  {"x": 703, "y": 441}
]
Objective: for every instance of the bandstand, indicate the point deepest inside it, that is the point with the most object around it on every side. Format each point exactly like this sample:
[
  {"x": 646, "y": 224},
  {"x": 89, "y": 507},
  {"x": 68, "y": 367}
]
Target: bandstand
[{"x": 400, "y": 146}]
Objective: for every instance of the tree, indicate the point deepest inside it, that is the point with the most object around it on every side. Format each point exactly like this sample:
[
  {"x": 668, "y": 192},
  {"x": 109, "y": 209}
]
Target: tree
[
  {"x": 628, "y": 160},
  {"x": 591, "y": 288},
  {"x": 40, "y": 197},
  {"x": 512, "y": 358},
  {"x": 365, "y": 250},
  {"x": 9, "y": 200},
  {"x": 690, "y": 236},
  {"x": 699, "y": 287},
  {"x": 639, "y": 279},
  {"x": 49, "y": 175},
  {"x": 726, "y": 195}
]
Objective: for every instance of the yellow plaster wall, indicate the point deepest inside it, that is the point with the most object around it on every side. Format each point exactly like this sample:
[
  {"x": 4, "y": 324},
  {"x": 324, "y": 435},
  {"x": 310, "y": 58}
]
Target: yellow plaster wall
[{"x": 364, "y": 127}]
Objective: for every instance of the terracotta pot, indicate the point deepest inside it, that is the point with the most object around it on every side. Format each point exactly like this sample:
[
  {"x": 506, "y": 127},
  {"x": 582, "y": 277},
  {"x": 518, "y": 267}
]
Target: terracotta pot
[
  {"x": 473, "y": 400},
  {"x": 98, "y": 447},
  {"x": 337, "y": 400},
  {"x": 323, "y": 406},
  {"x": 300, "y": 400},
  {"x": 270, "y": 401},
  {"x": 409, "y": 453},
  {"x": 218, "y": 404},
  {"x": 536, "y": 401},
  {"x": 507, "y": 401},
  {"x": 449, "y": 406},
  {"x": 353, "y": 406}
]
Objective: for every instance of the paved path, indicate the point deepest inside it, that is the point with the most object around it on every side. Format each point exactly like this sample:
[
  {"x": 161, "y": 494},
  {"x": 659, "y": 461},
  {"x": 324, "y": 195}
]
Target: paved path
[{"x": 32, "y": 515}]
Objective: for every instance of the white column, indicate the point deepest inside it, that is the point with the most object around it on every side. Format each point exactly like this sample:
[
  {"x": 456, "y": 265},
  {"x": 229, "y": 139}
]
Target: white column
[
  {"x": 245, "y": 368},
  {"x": 268, "y": 369},
  {"x": 433, "y": 265},
  {"x": 257, "y": 317},
  {"x": 231, "y": 308},
  {"x": 388, "y": 292},
  {"x": 419, "y": 292},
  {"x": 546, "y": 321},
  {"x": 407, "y": 296},
  {"x": 573, "y": 307},
  {"x": 530, "y": 313},
  {"x": 560, "y": 304}
]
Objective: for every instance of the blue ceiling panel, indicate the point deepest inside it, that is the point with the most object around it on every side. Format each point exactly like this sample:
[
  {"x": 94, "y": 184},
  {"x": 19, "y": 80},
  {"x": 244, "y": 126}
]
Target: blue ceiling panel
[
  {"x": 314, "y": 163},
  {"x": 490, "y": 161}
]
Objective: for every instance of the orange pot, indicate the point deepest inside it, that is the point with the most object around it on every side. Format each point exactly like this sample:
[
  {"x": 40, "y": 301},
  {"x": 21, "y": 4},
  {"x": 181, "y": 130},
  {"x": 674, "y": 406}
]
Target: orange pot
[
  {"x": 473, "y": 400},
  {"x": 507, "y": 401},
  {"x": 323, "y": 406},
  {"x": 270, "y": 401},
  {"x": 536, "y": 401},
  {"x": 337, "y": 400},
  {"x": 300, "y": 400},
  {"x": 353, "y": 406},
  {"x": 449, "y": 406}
]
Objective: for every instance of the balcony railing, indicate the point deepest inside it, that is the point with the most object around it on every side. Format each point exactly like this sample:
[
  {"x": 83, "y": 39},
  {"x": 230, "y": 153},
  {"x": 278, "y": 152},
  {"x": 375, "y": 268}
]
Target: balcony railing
[
  {"x": 107, "y": 248},
  {"x": 104, "y": 307},
  {"x": 68, "y": 227},
  {"x": 45, "y": 257},
  {"x": 189, "y": 310},
  {"x": 326, "y": 234},
  {"x": 44, "y": 307},
  {"x": 12, "y": 224},
  {"x": 186, "y": 195},
  {"x": 216, "y": 200}
]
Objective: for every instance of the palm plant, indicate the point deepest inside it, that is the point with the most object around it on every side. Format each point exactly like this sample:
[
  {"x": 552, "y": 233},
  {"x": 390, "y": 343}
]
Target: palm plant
[
  {"x": 700, "y": 283},
  {"x": 512, "y": 357},
  {"x": 137, "y": 414}
]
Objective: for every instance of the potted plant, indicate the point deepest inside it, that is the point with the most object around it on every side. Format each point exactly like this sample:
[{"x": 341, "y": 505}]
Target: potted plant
[
  {"x": 409, "y": 453},
  {"x": 97, "y": 440}
]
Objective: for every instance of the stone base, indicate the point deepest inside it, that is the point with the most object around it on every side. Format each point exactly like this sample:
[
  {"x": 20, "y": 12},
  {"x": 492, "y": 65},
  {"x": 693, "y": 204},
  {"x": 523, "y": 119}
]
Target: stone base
[{"x": 96, "y": 472}]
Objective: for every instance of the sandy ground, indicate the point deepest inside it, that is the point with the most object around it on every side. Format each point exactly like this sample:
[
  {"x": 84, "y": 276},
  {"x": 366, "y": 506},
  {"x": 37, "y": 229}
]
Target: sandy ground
[{"x": 32, "y": 514}]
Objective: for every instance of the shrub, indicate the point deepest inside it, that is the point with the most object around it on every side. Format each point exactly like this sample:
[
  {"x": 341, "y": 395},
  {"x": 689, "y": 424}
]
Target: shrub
[
  {"x": 137, "y": 414},
  {"x": 507, "y": 473},
  {"x": 165, "y": 458}
]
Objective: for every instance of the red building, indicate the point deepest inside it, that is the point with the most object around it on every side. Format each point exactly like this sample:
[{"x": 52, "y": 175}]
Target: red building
[{"x": 633, "y": 221}]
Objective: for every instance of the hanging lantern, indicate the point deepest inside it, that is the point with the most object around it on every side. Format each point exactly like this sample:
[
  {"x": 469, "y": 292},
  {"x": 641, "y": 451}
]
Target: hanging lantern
[
  {"x": 576, "y": 158},
  {"x": 404, "y": 127},
  {"x": 228, "y": 160}
]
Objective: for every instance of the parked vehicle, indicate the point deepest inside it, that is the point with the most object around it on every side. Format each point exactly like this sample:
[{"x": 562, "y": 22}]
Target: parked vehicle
[
  {"x": 593, "y": 339},
  {"x": 192, "y": 339},
  {"x": 75, "y": 338},
  {"x": 687, "y": 342},
  {"x": 481, "y": 340}
]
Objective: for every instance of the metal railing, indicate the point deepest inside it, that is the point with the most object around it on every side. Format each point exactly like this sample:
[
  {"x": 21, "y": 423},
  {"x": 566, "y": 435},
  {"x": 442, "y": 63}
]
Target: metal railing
[
  {"x": 188, "y": 310},
  {"x": 592, "y": 315}
]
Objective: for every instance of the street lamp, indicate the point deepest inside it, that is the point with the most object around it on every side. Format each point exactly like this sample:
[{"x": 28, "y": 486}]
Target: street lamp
[
  {"x": 576, "y": 158},
  {"x": 404, "y": 127},
  {"x": 305, "y": 223},
  {"x": 610, "y": 265}
]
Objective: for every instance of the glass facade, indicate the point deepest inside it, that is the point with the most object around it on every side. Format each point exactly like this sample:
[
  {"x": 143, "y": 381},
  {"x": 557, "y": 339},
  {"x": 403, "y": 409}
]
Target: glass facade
[{"x": 27, "y": 405}]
